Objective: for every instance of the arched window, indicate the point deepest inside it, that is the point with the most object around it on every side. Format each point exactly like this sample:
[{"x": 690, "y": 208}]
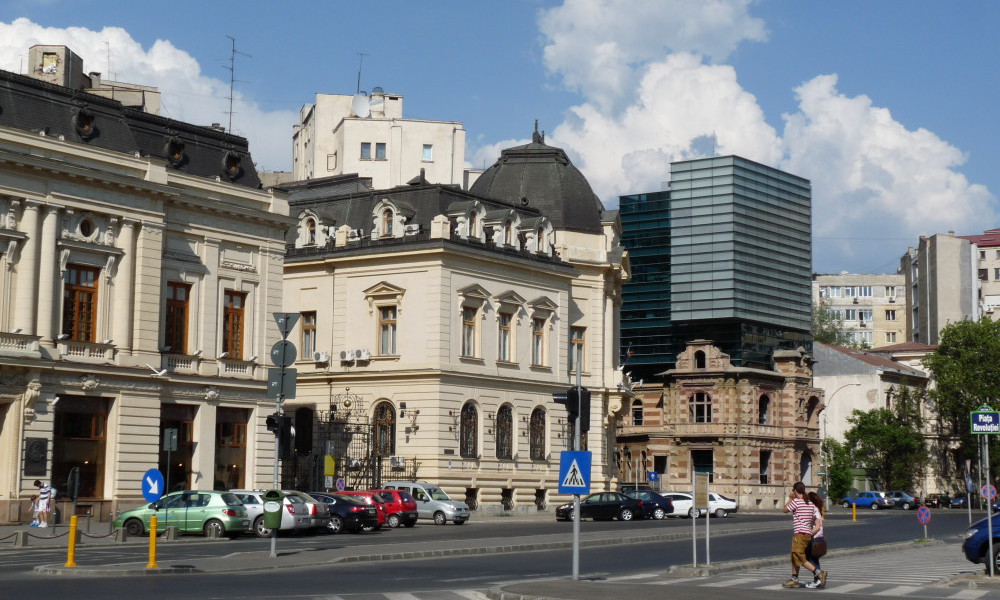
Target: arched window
[
  {"x": 387, "y": 219},
  {"x": 385, "y": 429},
  {"x": 473, "y": 225},
  {"x": 468, "y": 431},
  {"x": 699, "y": 360},
  {"x": 811, "y": 407},
  {"x": 805, "y": 468},
  {"x": 540, "y": 240},
  {"x": 310, "y": 231},
  {"x": 505, "y": 432},
  {"x": 763, "y": 409},
  {"x": 537, "y": 434},
  {"x": 508, "y": 233},
  {"x": 637, "y": 412},
  {"x": 701, "y": 408}
]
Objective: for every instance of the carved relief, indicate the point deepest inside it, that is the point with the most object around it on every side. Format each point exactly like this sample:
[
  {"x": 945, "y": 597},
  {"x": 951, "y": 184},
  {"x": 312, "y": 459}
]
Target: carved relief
[{"x": 89, "y": 382}]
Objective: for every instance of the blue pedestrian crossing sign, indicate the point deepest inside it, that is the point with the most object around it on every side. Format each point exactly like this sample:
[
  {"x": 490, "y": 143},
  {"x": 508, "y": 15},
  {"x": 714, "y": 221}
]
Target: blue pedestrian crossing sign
[
  {"x": 574, "y": 472},
  {"x": 152, "y": 485}
]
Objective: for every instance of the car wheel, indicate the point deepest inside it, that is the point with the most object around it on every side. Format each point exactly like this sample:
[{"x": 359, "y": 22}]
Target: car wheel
[
  {"x": 845, "y": 504},
  {"x": 214, "y": 528},
  {"x": 133, "y": 527},
  {"x": 439, "y": 518},
  {"x": 625, "y": 515},
  {"x": 569, "y": 515},
  {"x": 693, "y": 513},
  {"x": 659, "y": 514},
  {"x": 996, "y": 560},
  {"x": 874, "y": 506},
  {"x": 906, "y": 506},
  {"x": 259, "y": 529},
  {"x": 393, "y": 521},
  {"x": 720, "y": 513},
  {"x": 334, "y": 525}
]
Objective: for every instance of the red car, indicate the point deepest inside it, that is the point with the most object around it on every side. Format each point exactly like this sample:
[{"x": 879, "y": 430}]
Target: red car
[
  {"x": 400, "y": 507},
  {"x": 372, "y": 499}
]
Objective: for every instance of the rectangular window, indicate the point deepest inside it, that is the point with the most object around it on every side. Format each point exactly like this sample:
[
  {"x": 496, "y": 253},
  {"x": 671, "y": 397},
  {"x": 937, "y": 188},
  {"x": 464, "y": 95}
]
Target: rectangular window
[
  {"x": 80, "y": 303},
  {"x": 331, "y": 162},
  {"x": 865, "y": 314},
  {"x": 503, "y": 337},
  {"x": 576, "y": 347},
  {"x": 835, "y": 291},
  {"x": 232, "y": 323},
  {"x": 79, "y": 431},
  {"x": 850, "y": 314},
  {"x": 387, "y": 331},
  {"x": 865, "y": 291},
  {"x": 380, "y": 151},
  {"x": 983, "y": 274},
  {"x": 703, "y": 461},
  {"x": 890, "y": 291},
  {"x": 765, "y": 466},
  {"x": 428, "y": 155},
  {"x": 849, "y": 291},
  {"x": 890, "y": 315},
  {"x": 308, "y": 334},
  {"x": 538, "y": 342},
  {"x": 982, "y": 255},
  {"x": 178, "y": 472},
  {"x": 176, "y": 325},
  {"x": 231, "y": 447},
  {"x": 469, "y": 331},
  {"x": 890, "y": 337},
  {"x": 701, "y": 408},
  {"x": 366, "y": 150},
  {"x": 996, "y": 274}
]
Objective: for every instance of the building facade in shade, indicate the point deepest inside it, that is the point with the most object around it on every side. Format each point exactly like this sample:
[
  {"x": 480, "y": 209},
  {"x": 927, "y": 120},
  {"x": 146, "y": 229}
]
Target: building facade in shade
[
  {"x": 441, "y": 322},
  {"x": 987, "y": 248},
  {"x": 754, "y": 431},
  {"x": 872, "y": 307},
  {"x": 367, "y": 135},
  {"x": 139, "y": 267},
  {"x": 724, "y": 254},
  {"x": 942, "y": 285}
]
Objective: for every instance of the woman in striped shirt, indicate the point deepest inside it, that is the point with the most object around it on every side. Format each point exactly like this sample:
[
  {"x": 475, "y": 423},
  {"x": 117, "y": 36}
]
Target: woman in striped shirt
[{"x": 803, "y": 513}]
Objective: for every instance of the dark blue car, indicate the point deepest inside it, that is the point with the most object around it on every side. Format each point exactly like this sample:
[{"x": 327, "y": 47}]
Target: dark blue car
[{"x": 976, "y": 545}]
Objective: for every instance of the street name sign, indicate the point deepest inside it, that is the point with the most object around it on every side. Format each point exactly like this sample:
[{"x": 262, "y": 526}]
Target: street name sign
[{"x": 985, "y": 422}]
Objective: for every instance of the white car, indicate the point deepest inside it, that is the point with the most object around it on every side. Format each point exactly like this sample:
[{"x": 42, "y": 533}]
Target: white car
[{"x": 719, "y": 505}]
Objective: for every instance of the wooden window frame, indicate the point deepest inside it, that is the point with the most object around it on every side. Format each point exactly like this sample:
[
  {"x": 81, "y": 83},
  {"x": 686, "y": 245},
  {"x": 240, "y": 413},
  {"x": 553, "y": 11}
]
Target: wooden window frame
[
  {"x": 233, "y": 323},
  {"x": 390, "y": 326},
  {"x": 176, "y": 316},
  {"x": 308, "y": 334},
  {"x": 80, "y": 303}
]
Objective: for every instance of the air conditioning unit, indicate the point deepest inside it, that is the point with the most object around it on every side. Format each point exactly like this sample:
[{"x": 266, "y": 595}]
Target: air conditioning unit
[
  {"x": 356, "y": 234},
  {"x": 397, "y": 462},
  {"x": 363, "y": 354},
  {"x": 861, "y": 324},
  {"x": 346, "y": 355},
  {"x": 855, "y": 300},
  {"x": 412, "y": 229},
  {"x": 321, "y": 357},
  {"x": 892, "y": 299}
]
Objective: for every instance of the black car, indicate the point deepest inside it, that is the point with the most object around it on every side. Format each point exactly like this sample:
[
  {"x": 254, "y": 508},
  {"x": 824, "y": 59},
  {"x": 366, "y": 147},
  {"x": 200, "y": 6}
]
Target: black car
[
  {"x": 654, "y": 505},
  {"x": 348, "y": 513},
  {"x": 603, "y": 505}
]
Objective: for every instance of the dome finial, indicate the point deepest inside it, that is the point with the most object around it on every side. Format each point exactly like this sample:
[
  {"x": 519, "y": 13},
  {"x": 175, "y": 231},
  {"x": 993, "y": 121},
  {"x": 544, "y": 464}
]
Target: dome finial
[{"x": 535, "y": 137}]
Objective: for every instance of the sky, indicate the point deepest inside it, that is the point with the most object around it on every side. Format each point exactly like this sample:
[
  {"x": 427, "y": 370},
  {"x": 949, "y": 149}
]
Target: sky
[{"x": 887, "y": 107}]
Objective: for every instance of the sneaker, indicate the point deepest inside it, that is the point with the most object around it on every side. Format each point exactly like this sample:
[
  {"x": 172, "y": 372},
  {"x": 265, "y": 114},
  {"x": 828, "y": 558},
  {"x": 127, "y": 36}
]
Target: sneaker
[
  {"x": 33, "y": 525},
  {"x": 43, "y": 524},
  {"x": 822, "y": 579},
  {"x": 793, "y": 582},
  {"x": 813, "y": 584}
]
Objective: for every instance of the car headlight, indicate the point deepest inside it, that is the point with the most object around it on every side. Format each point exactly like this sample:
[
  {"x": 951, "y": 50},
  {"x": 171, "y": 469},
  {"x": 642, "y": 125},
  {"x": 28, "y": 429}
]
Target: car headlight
[{"x": 970, "y": 533}]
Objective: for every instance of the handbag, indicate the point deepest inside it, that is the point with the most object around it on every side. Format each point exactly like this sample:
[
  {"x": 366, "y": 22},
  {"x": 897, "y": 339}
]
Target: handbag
[{"x": 818, "y": 548}]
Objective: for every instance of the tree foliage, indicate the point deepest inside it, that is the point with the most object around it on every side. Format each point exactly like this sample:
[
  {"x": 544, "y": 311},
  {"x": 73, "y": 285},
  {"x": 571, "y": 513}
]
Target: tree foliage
[
  {"x": 889, "y": 443},
  {"x": 965, "y": 370},
  {"x": 838, "y": 465},
  {"x": 828, "y": 327}
]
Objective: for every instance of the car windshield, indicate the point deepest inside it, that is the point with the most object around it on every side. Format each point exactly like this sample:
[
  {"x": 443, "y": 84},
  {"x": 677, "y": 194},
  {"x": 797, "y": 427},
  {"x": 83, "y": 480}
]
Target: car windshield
[
  {"x": 437, "y": 493},
  {"x": 405, "y": 497}
]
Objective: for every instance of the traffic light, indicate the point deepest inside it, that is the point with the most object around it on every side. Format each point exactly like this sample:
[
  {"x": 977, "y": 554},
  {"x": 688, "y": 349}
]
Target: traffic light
[
  {"x": 562, "y": 398},
  {"x": 580, "y": 402},
  {"x": 286, "y": 438},
  {"x": 272, "y": 422}
]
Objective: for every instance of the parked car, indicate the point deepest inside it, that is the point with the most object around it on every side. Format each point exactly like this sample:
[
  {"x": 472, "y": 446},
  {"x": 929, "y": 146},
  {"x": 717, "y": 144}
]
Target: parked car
[
  {"x": 904, "y": 500},
  {"x": 191, "y": 511},
  {"x": 347, "y": 513},
  {"x": 432, "y": 502},
  {"x": 319, "y": 513},
  {"x": 721, "y": 506},
  {"x": 635, "y": 487},
  {"x": 603, "y": 505},
  {"x": 654, "y": 505},
  {"x": 976, "y": 543},
  {"x": 294, "y": 516},
  {"x": 872, "y": 500},
  {"x": 960, "y": 502},
  {"x": 683, "y": 505},
  {"x": 400, "y": 506},
  {"x": 372, "y": 499},
  {"x": 937, "y": 501}
]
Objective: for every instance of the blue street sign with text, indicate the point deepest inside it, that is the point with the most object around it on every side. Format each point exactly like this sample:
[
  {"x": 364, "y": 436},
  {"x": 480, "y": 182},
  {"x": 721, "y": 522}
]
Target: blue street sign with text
[{"x": 985, "y": 422}]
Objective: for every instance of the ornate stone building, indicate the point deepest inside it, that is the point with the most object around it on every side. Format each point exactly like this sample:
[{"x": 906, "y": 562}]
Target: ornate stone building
[
  {"x": 755, "y": 431},
  {"x": 139, "y": 267}
]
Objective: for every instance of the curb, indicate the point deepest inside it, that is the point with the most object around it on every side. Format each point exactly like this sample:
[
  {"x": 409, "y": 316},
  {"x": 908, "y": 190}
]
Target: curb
[{"x": 106, "y": 572}]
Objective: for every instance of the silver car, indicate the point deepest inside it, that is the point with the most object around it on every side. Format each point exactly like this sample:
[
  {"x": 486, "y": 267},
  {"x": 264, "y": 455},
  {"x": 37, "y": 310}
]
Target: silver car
[
  {"x": 318, "y": 513},
  {"x": 294, "y": 515}
]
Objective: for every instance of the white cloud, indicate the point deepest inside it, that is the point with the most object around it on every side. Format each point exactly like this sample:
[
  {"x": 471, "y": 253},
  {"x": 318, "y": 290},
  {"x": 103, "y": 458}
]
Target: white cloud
[{"x": 187, "y": 94}]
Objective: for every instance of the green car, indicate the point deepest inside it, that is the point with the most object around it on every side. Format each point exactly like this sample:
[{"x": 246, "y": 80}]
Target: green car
[{"x": 208, "y": 512}]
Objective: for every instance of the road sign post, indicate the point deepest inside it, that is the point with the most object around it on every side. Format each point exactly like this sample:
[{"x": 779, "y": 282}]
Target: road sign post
[
  {"x": 924, "y": 517},
  {"x": 986, "y": 421},
  {"x": 283, "y": 355}
]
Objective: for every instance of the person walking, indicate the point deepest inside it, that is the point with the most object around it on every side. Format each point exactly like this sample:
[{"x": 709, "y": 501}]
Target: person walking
[
  {"x": 803, "y": 513},
  {"x": 817, "y": 547},
  {"x": 44, "y": 503}
]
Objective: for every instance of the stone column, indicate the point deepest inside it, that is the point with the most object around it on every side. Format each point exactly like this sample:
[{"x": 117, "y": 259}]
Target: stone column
[
  {"x": 26, "y": 299},
  {"x": 47, "y": 283},
  {"x": 147, "y": 287},
  {"x": 125, "y": 286}
]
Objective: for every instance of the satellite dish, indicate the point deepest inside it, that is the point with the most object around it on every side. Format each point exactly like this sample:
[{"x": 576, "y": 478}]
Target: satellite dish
[{"x": 360, "y": 107}]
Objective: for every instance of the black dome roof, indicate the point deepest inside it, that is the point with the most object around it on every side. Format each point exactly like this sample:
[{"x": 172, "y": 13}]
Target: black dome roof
[{"x": 543, "y": 178}]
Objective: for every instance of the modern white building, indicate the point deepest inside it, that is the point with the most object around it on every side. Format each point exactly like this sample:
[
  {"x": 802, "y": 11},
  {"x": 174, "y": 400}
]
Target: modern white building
[
  {"x": 942, "y": 285},
  {"x": 367, "y": 135}
]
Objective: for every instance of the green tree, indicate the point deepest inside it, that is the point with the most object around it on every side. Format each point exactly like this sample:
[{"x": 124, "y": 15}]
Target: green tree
[
  {"x": 889, "y": 443},
  {"x": 964, "y": 367},
  {"x": 838, "y": 464},
  {"x": 828, "y": 327}
]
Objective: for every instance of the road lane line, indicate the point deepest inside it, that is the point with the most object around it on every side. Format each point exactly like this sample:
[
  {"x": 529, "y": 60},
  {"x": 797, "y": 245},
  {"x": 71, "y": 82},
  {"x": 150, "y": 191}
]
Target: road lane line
[
  {"x": 969, "y": 594},
  {"x": 731, "y": 582},
  {"x": 847, "y": 588},
  {"x": 901, "y": 590}
]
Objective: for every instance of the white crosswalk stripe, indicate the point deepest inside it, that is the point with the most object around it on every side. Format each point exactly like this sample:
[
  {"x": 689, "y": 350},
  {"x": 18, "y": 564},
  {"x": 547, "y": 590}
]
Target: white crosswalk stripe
[
  {"x": 847, "y": 588},
  {"x": 731, "y": 582}
]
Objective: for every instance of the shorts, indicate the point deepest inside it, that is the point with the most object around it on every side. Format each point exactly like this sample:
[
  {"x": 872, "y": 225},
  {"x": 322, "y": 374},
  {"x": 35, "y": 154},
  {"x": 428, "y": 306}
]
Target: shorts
[
  {"x": 43, "y": 506},
  {"x": 800, "y": 541}
]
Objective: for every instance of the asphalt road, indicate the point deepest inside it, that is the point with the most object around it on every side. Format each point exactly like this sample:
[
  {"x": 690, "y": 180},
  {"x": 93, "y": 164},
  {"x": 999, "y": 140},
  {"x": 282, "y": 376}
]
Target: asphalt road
[{"x": 444, "y": 574}]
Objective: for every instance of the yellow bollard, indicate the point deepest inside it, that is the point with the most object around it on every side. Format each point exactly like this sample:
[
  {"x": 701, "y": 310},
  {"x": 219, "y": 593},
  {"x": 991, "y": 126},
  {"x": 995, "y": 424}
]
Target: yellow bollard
[
  {"x": 152, "y": 543},
  {"x": 71, "y": 549},
  {"x": 854, "y": 511}
]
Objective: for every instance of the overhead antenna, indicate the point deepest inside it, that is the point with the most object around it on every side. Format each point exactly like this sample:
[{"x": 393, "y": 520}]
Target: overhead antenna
[
  {"x": 360, "y": 64},
  {"x": 232, "y": 78}
]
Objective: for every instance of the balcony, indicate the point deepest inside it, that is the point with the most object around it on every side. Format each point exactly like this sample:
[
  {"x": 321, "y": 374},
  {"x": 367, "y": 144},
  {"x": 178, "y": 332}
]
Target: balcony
[
  {"x": 233, "y": 367},
  {"x": 93, "y": 352},
  {"x": 19, "y": 344}
]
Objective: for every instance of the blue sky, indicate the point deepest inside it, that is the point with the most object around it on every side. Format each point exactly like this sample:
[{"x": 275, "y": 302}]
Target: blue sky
[{"x": 888, "y": 107}]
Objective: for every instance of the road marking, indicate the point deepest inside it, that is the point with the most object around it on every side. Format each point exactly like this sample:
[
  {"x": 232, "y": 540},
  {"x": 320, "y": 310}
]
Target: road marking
[
  {"x": 679, "y": 580},
  {"x": 730, "y": 582},
  {"x": 400, "y": 596},
  {"x": 470, "y": 594},
  {"x": 969, "y": 594},
  {"x": 847, "y": 588},
  {"x": 901, "y": 590}
]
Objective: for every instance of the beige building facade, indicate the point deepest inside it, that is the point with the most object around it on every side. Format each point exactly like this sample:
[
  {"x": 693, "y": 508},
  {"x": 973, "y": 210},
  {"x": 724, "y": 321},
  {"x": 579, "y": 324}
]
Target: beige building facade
[
  {"x": 139, "y": 268},
  {"x": 872, "y": 307},
  {"x": 942, "y": 285}
]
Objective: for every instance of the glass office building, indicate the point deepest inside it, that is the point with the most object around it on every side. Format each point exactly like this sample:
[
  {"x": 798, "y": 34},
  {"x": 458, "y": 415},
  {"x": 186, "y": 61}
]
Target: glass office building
[{"x": 725, "y": 255}]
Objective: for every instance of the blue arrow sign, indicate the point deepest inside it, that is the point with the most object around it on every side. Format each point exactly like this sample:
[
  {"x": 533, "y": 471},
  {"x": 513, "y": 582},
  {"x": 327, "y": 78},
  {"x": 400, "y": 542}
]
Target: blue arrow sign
[
  {"x": 574, "y": 472},
  {"x": 152, "y": 485}
]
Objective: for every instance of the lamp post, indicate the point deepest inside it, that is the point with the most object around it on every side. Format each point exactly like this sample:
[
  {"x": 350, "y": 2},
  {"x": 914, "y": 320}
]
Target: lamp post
[{"x": 826, "y": 460}]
